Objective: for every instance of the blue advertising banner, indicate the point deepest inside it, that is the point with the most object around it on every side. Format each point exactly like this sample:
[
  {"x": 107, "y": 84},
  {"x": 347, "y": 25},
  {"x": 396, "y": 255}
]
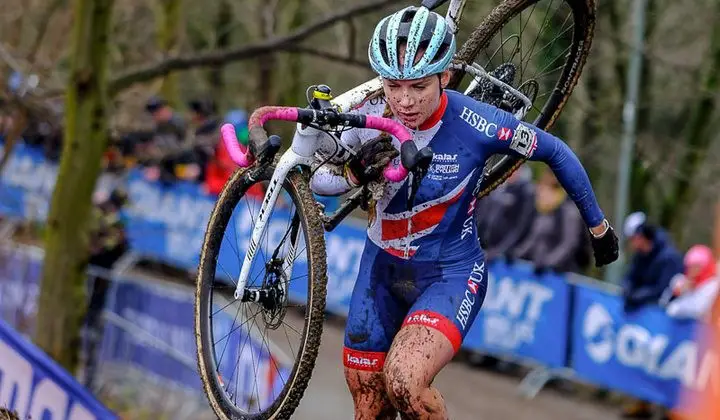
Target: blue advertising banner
[
  {"x": 20, "y": 270},
  {"x": 27, "y": 183},
  {"x": 523, "y": 316},
  {"x": 35, "y": 387},
  {"x": 162, "y": 319},
  {"x": 644, "y": 353}
]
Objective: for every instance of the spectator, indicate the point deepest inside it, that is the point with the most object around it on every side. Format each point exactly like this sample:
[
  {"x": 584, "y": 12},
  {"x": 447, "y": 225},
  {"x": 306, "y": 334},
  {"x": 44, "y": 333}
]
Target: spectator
[
  {"x": 169, "y": 125},
  {"x": 191, "y": 163},
  {"x": 555, "y": 236},
  {"x": 655, "y": 262},
  {"x": 506, "y": 215},
  {"x": 167, "y": 140},
  {"x": 694, "y": 292}
]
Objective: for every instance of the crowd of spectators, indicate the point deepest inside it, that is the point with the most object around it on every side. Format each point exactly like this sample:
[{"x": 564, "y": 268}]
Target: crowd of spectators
[{"x": 535, "y": 222}]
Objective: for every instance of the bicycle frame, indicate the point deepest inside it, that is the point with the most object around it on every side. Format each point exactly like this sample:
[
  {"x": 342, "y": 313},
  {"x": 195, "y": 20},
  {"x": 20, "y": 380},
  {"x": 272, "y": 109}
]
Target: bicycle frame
[{"x": 301, "y": 153}]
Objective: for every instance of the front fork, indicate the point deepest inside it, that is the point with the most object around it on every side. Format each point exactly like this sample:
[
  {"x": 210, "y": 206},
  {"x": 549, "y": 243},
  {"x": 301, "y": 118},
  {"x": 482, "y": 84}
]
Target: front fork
[{"x": 288, "y": 161}]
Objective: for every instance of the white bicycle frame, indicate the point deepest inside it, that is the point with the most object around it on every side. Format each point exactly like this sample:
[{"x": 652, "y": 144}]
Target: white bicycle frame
[{"x": 303, "y": 148}]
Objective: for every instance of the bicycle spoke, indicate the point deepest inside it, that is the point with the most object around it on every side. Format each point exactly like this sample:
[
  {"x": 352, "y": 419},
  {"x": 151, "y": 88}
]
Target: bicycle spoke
[
  {"x": 270, "y": 356},
  {"x": 288, "y": 339},
  {"x": 558, "y": 36},
  {"x": 228, "y": 340},
  {"x": 252, "y": 356},
  {"x": 522, "y": 30},
  {"x": 541, "y": 29}
]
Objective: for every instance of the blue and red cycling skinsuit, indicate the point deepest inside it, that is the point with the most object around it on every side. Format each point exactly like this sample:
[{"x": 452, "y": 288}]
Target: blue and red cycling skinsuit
[{"x": 425, "y": 266}]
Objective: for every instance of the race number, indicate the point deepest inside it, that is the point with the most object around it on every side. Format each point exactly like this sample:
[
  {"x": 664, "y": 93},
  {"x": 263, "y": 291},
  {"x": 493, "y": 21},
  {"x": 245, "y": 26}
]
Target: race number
[{"x": 524, "y": 141}]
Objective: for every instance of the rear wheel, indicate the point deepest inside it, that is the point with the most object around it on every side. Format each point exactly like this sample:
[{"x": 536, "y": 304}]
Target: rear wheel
[
  {"x": 537, "y": 46},
  {"x": 256, "y": 354}
]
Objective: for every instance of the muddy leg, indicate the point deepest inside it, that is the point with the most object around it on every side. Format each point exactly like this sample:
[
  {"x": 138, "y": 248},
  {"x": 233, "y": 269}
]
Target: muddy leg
[
  {"x": 369, "y": 396},
  {"x": 418, "y": 353}
]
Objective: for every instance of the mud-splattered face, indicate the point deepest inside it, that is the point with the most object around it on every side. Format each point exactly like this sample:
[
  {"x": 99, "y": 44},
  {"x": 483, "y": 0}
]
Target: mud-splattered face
[{"x": 413, "y": 101}]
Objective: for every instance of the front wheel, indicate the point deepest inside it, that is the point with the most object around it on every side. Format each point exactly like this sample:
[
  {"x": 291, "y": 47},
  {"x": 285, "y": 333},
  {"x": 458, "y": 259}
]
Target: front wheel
[{"x": 256, "y": 354}]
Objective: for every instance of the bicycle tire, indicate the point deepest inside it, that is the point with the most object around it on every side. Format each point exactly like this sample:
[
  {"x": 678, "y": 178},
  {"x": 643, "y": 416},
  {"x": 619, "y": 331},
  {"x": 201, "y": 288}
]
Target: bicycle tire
[
  {"x": 584, "y": 27},
  {"x": 297, "y": 185}
]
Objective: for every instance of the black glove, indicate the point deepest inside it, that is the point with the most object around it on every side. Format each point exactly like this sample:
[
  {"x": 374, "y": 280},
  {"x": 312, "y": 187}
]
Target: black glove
[
  {"x": 605, "y": 248},
  {"x": 370, "y": 160}
]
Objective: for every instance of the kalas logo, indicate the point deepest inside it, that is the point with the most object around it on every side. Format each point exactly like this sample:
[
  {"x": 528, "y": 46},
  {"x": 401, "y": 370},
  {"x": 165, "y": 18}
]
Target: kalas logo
[{"x": 361, "y": 361}]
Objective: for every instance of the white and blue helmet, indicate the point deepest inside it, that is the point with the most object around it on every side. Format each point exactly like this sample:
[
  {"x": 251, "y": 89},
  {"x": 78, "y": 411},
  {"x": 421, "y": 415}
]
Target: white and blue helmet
[{"x": 421, "y": 30}]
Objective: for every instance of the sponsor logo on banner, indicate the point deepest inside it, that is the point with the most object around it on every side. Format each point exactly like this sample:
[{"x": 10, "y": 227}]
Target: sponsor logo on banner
[
  {"x": 34, "y": 387},
  {"x": 512, "y": 310},
  {"x": 636, "y": 347}
]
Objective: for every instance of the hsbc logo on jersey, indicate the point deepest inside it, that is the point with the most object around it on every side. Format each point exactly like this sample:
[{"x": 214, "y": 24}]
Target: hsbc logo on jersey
[
  {"x": 478, "y": 122},
  {"x": 504, "y": 133},
  {"x": 474, "y": 283}
]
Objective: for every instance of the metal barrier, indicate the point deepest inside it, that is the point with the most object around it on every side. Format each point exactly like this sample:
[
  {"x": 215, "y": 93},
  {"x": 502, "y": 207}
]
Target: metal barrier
[{"x": 124, "y": 387}]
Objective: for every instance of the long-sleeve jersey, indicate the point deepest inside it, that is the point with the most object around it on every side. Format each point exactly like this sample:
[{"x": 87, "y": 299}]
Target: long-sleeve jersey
[{"x": 463, "y": 134}]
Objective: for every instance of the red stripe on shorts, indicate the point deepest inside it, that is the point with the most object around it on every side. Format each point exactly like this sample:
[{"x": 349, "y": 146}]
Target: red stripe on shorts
[
  {"x": 437, "y": 322},
  {"x": 370, "y": 361}
]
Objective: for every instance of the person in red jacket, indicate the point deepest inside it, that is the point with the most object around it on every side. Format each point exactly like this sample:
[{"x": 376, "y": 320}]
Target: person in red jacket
[{"x": 221, "y": 167}]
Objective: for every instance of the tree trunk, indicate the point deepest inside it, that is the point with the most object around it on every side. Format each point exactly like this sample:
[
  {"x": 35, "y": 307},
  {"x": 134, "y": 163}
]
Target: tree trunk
[
  {"x": 698, "y": 137},
  {"x": 169, "y": 16},
  {"x": 641, "y": 177},
  {"x": 224, "y": 25},
  {"x": 62, "y": 297},
  {"x": 268, "y": 62},
  {"x": 293, "y": 91}
]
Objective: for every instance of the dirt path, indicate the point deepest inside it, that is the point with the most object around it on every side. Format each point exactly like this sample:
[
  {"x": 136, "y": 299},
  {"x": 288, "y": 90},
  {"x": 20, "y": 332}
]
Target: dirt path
[{"x": 470, "y": 393}]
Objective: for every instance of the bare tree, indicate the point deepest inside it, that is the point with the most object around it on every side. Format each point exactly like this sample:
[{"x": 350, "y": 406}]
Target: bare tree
[
  {"x": 62, "y": 296},
  {"x": 698, "y": 136}
]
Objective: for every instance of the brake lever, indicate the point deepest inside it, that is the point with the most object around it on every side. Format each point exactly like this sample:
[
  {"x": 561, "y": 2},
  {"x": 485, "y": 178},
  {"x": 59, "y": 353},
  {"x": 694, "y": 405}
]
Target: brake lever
[{"x": 419, "y": 164}]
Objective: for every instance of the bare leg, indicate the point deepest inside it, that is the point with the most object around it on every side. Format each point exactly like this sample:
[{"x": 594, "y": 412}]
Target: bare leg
[
  {"x": 418, "y": 353},
  {"x": 369, "y": 395}
]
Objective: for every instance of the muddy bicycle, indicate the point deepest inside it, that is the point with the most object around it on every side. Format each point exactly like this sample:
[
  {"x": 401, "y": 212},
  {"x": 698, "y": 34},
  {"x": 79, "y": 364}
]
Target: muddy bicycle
[{"x": 263, "y": 261}]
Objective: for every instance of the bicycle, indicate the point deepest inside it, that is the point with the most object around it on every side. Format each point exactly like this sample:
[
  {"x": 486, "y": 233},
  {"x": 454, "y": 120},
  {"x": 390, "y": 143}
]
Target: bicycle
[{"x": 290, "y": 176}]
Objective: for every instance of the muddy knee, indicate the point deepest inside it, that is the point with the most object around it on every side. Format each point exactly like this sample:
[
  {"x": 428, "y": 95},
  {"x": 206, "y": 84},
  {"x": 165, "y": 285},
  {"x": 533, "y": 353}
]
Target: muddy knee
[{"x": 403, "y": 388}]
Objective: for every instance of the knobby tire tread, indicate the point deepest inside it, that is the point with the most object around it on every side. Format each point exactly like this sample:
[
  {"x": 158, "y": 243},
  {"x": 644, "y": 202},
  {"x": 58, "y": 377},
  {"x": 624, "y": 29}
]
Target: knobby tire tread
[{"x": 297, "y": 184}]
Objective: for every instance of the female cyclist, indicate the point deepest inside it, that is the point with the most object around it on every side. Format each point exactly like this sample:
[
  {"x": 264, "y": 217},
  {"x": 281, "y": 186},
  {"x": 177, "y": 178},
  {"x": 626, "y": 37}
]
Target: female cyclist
[{"x": 422, "y": 277}]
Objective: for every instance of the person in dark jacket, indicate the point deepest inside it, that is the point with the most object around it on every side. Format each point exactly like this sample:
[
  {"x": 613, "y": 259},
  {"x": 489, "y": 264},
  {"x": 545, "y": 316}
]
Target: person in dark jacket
[
  {"x": 654, "y": 263},
  {"x": 554, "y": 236},
  {"x": 506, "y": 215}
]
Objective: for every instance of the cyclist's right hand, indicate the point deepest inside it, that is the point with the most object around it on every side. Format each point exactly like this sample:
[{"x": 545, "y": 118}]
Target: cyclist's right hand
[{"x": 370, "y": 160}]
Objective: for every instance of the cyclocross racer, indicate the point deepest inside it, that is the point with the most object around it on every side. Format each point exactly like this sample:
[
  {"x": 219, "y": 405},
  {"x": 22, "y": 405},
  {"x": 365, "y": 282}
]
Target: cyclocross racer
[{"x": 422, "y": 277}]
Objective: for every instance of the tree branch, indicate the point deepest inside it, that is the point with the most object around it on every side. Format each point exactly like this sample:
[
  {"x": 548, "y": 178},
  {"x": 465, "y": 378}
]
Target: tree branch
[
  {"x": 220, "y": 57},
  {"x": 299, "y": 49},
  {"x": 44, "y": 20}
]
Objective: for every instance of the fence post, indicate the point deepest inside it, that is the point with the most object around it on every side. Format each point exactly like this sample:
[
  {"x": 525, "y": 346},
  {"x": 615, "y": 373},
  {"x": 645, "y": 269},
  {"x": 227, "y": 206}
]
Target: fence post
[{"x": 539, "y": 376}]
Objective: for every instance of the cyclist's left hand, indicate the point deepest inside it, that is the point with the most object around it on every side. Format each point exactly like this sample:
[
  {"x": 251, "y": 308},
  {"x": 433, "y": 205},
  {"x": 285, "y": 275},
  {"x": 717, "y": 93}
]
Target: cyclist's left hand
[{"x": 605, "y": 247}]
